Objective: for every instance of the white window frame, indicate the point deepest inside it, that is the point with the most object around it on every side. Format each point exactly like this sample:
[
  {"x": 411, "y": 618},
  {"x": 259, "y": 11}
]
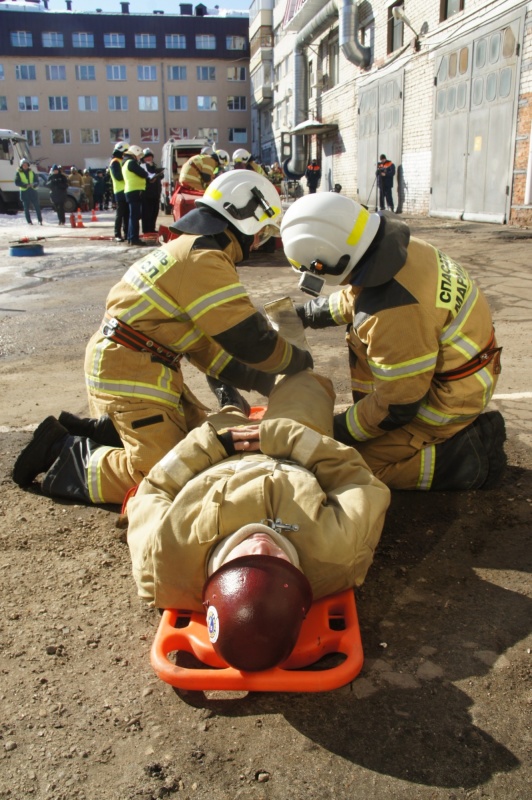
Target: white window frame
[
  {"x": 87, "y": 102},
  {"x": 84, "y": 40},
  {"x": 211, "y": 134},
  {"x": 64, "y": 131},
  {"x": 146, "y": 72},
  {"x": 205, "y": 41},
  {"x": 145, "y": 41},
  {"x": 148, "y": 102},
  {"x": 21, "y": 39},
  {"x": 3, "y": 102},
  {"x": 205, "y": 73},
  {"x": 237, "y": 70},
  {"x": 118, "y": 135},
  {"x": 175, "y": 41},
  {"x": 121, "y": 105},
  {"x": 212, "y": 102},
  {"x": 33, "y": 137},
  {"x": 237, "y": 102},
  {"x": 89, "y": 136},
  {"x": 33, "y": 102},
  {"x": 169, "y": 72},
  {"x": 235, "y": 42},
  {"x": 116, "y": 69},
  {"x": 114, "y": 41},
  {"x": 179, "y": 133},
  {"x": 182, "y": 105},
  {"x": 19, "y": 70},
  {"x": 58, "y": 102},
  {"x": 149, "y": 135},
  {"x": 83, "y": 72},
  {"x": 55, "y": 68},
  {"x": 52, "y": 39}
]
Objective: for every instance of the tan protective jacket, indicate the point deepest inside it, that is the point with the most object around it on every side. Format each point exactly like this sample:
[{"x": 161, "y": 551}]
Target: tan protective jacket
[
  {"x": 431, "y": 318},
  {"x": 183, "y": 295},
  {"x": 197, "y": 496},
  {"x": 198, "y": 172}
]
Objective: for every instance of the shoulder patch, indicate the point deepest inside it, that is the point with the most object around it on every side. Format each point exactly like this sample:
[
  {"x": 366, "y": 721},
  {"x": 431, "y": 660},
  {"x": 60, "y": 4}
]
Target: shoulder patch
[
  {"x": 381, "y": 298},
  {"x": 205, "y": 243}
]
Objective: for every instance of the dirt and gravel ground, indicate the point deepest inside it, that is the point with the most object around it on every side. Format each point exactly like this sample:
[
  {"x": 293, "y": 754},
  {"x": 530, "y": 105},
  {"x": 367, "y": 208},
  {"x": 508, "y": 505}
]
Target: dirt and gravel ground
[{"x": 441, "y": 709}]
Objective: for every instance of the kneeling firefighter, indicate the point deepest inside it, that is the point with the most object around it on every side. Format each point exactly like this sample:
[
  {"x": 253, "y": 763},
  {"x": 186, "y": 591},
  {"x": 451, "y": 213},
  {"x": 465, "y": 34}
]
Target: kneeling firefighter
[
  {"x": 182, "y": 299},
  {"x": 422, "y": 351}
]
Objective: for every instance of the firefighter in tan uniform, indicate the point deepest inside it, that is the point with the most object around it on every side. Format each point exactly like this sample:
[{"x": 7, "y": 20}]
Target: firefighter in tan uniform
[
  {"x": 184, "y": 298},
  {"x": 215, "y": 507},
  {"x": 422, "y": 350},
  {"x": 198, "y": 172}
]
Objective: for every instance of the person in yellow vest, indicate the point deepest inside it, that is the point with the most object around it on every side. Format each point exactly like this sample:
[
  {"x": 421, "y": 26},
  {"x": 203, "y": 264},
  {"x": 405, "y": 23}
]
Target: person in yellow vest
[
  {"x": 422, "y": 350},
  {"x": 198, "y": 172},
  {"x": 183, "y": 299},
  {"x": 117, "y": 179},
  {"x": 26, "y": 180},
  {"x": 135, "y": 180}
]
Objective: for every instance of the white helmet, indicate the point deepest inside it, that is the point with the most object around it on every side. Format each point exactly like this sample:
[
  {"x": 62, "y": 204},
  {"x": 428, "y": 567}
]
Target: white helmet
[
  {"x": 241, "y": 156},
  {"x": 327, "y": 234},
  {"x": 121, "y": 147},
  {"x": 248, "y": 200},
  {"x": 223, "y": 156},
  {"x": 24, "y": 161},
  {"x": 134, "y": 150},
  {"x": 206, "y": 151},
  {"x": 147, "y": 152}
]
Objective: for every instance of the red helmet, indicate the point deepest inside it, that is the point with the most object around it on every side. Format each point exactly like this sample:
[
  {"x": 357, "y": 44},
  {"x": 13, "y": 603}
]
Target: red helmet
[{"x": 255, "y": 607}]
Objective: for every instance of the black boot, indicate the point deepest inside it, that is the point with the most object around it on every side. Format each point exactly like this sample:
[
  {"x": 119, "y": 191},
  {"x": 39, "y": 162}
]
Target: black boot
[
  {"x": 100, "y": 430},
  {"x": 228, "y": 396},
  {"x": 492, "y": 432},
  {"x": 39, "y": 455}
]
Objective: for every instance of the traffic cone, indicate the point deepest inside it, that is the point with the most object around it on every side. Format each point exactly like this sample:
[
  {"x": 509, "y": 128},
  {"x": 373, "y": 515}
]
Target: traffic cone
[
  {"x": 80, "y": 220},
  {"x": 73, "y": 220},
  {"x": 94, "y": 218}
]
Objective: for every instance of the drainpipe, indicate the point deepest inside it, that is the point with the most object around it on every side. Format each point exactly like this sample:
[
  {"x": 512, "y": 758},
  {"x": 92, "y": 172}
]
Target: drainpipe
[{"x": 353, "y": 50}]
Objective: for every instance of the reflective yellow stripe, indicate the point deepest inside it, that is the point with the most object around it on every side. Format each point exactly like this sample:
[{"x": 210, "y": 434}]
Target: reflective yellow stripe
[
  {"x": 427, "y": 467},
  {"x": 335, "y": 310},
  {"x": 359, "y": 227},
  {"x": 405, "y": 369},
  {"x": 202, "y": 305},
  {"x": 219, "y": 363},
  {"x": 94, "y": 474},
  {"x": 367, "y": 387},
  {"x": 354, "y": 427}
]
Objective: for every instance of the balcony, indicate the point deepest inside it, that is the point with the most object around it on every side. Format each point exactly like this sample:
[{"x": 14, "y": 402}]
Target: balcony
[
  {"x": 300, "y": 12},
  {"x": 262, "y": 84}
]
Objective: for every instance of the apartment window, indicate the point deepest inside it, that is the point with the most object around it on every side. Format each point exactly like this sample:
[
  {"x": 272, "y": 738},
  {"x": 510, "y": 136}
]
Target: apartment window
[
  {"x": 449, "y": 8},
  {"x": 114, "y": 40},
  {"x": 25, "y": 72},
  {"x": 2, "y": 76},
  {"x": 205, "y": 41},
  {"x": 179, "y": 133},
  {"x": 119, "y": 134},
  {"x": 145, "y": 41},
  {"x": 115, "y": 72},
  {"x": 60, "y": 136},
  {"x": 333, "y": 60},
  {"x": 148, "y": 135},
  {"x": 33, "y": 137},
  {"x": 235, "y": 42},
  {"x": 175, "y": 41},
  {"x": 149, "y": 103},
  {"x": 238, "y": 135},
  {"x": 55, "y": 72},
  {"x": 146, "y": 73},
  {"x": 28, "y": 103},
  {"x": 58, "y": 103},
  {"x": 82, "y": 40},
  {"x": 236, "y": 103},
  {"x": 178, "y": 102},
  {"x": 88, "y": 102},
  {"x": 52, "y": 39},
  {"x": 208, "y": 133},
  {"x": 207, "y": 102},
  {"x": 118, "y": 103},
  {"x": 21, "y": 39},
  {"x": 395, "y": 29},
  {"x": 206, "y": 73},
  {"x": 85, "y": 72},
  {"x": 90, "y": 136},
  {"x": 236, "y": 73},
  {"x": 177, "y": 73},
  {"x": 3, "y": 102}
]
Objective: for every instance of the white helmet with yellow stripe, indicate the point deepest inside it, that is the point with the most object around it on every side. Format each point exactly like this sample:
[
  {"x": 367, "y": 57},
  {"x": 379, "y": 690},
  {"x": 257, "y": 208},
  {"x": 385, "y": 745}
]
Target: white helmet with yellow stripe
[
  {"x": 326, "y": 235},
  {"x": 247, "y": 200}
]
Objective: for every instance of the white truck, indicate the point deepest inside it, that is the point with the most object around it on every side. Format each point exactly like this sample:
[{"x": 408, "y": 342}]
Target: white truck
[
  {"x": 175, "y": 153},
  {"x": 13, "y": 147}
]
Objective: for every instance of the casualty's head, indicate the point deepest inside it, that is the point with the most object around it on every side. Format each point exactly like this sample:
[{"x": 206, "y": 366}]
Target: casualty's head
[
  {"x": 255, "y": 597},
  {"x": 243, "y": 201},
  {"x": 326, "y": 235}
]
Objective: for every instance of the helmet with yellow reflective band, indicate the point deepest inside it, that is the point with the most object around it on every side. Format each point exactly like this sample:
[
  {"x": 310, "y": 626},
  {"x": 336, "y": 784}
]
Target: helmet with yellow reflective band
[
  {"x": 247, "y": 200},
  {"x": 326, "y": 235}
]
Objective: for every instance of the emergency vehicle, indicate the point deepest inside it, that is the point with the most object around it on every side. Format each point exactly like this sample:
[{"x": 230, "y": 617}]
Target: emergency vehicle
[
  {"x": 13, "y": 147},
  {"x": 175, "y": 153}
]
